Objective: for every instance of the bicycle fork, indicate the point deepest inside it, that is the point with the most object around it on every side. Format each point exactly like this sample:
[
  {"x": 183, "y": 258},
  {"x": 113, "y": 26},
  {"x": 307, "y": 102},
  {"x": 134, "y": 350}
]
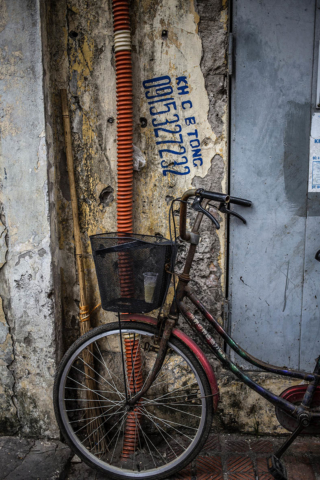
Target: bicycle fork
[
  {"x": 136, "y": 388},
  {"x": 169, "y": 325}
]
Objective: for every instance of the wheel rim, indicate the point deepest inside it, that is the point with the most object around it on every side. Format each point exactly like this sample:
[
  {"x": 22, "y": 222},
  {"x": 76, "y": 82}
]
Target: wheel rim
[{"x": 159, "y": 414}]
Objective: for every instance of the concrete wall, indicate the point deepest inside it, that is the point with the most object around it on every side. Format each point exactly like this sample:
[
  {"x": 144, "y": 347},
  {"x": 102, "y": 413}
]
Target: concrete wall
[
  {"x": 27, "y": 332},
  {"x": 81, "y": 59},
  {"x": 185, "y": 40}
]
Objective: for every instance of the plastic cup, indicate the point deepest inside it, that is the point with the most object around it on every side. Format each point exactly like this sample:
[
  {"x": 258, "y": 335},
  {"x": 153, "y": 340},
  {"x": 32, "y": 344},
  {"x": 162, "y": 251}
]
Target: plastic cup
[{"x": 150, "y": 280}]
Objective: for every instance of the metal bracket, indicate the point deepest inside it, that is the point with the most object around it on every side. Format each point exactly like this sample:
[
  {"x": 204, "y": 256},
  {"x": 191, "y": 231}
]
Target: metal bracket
[{"x": 194, "y": 238}]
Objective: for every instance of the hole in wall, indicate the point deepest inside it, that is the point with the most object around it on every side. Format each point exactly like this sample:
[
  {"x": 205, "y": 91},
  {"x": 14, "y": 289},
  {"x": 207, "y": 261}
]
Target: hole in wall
[
  {"x": 106, "y": 196},
  {"x": 143, "y": 122},
  {"x": 73, "y": 34}
]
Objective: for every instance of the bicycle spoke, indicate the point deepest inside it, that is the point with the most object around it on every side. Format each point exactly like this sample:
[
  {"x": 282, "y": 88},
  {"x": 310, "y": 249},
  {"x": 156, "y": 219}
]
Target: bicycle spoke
[
  {"x": 117, "y": 439},
  {"x": 100, "y": 426},
  {"x": 85, "y": 408},
  {"x": 163, "y": 426},
  {"x": 158, "y": 428},
  {"x": 173, "y": 391},
  {"x": 104, "y": 364},
  {"x": 91, "y": 378},
  {"x": 98, "y": 416},
  {"x": 123, "y": 365},
  {"x": 80, "y": 419},
  {"x": 176, "y": 409},
  {"x": 171, "y": 426},
  {"x": 146, "y": 442},
  {"x": 175, "y": 440},
  {"x": 152, "y": 443},
  {"x": 89, "y": 389},
  {"x": 115, "y": 391},
  {"x": 111, "y": 428}
]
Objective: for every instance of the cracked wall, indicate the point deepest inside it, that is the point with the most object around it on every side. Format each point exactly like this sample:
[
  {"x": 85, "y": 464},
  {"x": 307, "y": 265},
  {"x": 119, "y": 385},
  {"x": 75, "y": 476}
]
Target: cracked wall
[
  {"x": 169, "y": 38},
  {"x": 183, "y": 43},
  {"x": 27, "y": 347},
  {"x": 81, "y": 59}
]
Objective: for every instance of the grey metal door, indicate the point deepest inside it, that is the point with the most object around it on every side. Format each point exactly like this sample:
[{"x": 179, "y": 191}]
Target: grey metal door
[{"x": 273, "y": 277}]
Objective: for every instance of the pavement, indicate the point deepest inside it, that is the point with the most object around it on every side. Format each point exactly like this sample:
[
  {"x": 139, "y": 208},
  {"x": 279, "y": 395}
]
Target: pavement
[{"x": 224, "y": 457}]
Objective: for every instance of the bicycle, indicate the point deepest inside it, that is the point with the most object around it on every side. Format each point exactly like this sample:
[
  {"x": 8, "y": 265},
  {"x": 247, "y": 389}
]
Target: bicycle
[{"x": 153, "y": 391}]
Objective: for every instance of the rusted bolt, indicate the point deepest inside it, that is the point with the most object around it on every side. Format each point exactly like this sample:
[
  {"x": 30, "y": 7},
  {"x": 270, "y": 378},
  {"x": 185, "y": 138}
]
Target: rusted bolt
[
  {"x": 110, "y": 120},
  {"x": 143, "y": 122},
  {"x": 164, "y": 34}
]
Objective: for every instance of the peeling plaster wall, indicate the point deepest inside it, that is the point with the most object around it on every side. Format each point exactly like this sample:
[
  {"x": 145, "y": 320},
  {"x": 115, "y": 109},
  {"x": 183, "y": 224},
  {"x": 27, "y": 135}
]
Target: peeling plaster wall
[
  {"x": 81, "y": 59},
  {"x": 39, "y": 285},
  {"x": 27, "y": 348}
]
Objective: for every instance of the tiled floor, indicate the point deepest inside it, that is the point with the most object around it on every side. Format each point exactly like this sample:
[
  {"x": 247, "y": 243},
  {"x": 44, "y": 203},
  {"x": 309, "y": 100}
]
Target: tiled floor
[
  {"x": 224, "y": 457},
  {"x": 233, "y": 457}
]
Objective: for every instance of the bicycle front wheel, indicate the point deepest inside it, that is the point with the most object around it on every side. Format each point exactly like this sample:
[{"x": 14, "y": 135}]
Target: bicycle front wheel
[{"x": 152, "y": 440}]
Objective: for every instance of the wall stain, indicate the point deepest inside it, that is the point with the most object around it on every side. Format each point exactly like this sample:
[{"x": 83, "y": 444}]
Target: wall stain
[{"x": 296, "y": 155}]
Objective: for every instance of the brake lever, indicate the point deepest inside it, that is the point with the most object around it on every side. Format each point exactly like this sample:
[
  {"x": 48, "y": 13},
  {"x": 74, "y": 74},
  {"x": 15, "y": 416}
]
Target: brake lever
[
  {"x": 223, "y": 208},
  {"x": 198, "y": 208}
]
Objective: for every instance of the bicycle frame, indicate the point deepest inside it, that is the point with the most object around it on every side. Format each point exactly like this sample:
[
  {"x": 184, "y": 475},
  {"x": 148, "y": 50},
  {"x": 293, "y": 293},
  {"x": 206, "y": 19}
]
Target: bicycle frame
[{"x": 183, "y": 291}]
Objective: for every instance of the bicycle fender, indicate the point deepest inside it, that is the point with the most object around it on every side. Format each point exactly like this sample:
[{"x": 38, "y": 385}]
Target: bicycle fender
[{"x": 191, "y": 345}]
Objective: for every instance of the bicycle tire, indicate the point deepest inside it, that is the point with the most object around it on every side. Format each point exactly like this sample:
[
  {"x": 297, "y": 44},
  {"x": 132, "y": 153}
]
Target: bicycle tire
[{"x": 176, "y": 348}]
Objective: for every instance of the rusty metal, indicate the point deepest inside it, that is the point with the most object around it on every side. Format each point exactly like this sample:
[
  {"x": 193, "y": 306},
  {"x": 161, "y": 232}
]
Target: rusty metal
[
  {"x": 169, "y": 325},
  {"x": 177, "y": 333},
  {"x": 295, "y": 395},
  {"x": 184, "y": 278},
  {"x": 183, "y": 213}
]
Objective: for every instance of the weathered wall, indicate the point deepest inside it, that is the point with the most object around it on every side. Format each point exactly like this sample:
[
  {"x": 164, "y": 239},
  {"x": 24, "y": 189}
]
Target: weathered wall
[
  {"x": 27, "y": 347},
  {"x": 81, "y": 59},
  {"x": 183, "y": 40},
  {"x": 169, "y": 38}
]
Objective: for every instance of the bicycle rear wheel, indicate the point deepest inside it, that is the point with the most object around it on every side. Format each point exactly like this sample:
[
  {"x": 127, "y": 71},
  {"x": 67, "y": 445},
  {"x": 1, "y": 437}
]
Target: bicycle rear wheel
[{"x": 162, "y": 433}]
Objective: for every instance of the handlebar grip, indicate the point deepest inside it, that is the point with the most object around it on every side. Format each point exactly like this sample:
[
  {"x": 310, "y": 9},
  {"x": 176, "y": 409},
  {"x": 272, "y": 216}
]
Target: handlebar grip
[
  {"x": 214, "y": 196},
  {"x": 240, "y": 201}
]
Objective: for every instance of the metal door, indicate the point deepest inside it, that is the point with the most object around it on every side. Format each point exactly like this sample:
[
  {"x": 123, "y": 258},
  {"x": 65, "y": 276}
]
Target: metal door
[{"x": 273, "y": 276}]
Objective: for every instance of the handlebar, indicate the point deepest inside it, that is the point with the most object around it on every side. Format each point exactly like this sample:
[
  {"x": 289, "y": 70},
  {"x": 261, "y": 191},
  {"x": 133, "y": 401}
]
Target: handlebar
[
  {"x": 214, "y": 196},
  {"x": 222, "y": 198},
  {"x": 240, "y": 201}
]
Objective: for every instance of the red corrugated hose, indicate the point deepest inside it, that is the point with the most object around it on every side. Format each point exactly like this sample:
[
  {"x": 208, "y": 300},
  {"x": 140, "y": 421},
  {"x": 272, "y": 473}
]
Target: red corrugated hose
[{"x": 122, "y": 47}]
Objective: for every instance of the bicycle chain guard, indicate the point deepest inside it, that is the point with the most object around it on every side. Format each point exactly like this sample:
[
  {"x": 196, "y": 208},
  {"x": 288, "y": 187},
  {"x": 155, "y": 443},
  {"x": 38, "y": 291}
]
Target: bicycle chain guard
[{"x": 295, "y": 395}]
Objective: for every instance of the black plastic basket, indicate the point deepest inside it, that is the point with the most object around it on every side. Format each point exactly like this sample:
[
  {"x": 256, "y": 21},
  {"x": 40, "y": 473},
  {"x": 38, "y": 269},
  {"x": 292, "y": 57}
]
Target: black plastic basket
[{"x": 123, "y": 262}]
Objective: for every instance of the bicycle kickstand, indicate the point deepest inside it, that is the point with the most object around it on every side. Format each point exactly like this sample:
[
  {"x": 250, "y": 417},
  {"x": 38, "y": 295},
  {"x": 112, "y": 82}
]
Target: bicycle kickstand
[{"x": 275, "y": 466}]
